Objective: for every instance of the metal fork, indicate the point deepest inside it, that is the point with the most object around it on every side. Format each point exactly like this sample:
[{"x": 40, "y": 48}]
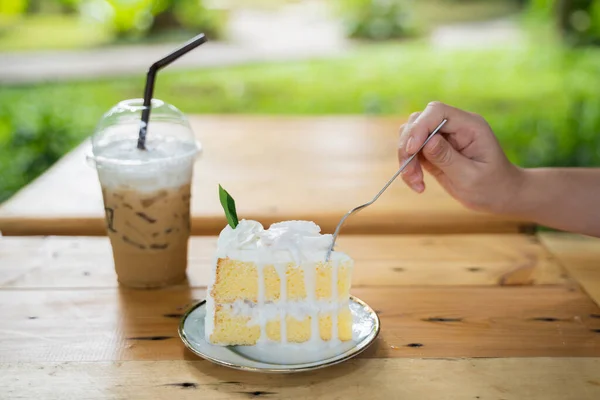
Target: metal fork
[{"x": 356, "y": 209}]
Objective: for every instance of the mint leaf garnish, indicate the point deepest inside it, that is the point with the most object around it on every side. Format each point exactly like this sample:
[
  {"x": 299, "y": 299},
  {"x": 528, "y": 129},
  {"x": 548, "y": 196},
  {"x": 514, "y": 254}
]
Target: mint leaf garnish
[{"x": 229, "y": 206}]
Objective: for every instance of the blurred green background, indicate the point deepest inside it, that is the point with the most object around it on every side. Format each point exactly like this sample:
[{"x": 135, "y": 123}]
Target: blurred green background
[{"x": 536, "y": 83}]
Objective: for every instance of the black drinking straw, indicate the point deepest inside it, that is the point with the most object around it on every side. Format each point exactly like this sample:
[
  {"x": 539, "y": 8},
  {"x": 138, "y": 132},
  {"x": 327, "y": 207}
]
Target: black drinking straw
[{"x": 151, "y": 78}]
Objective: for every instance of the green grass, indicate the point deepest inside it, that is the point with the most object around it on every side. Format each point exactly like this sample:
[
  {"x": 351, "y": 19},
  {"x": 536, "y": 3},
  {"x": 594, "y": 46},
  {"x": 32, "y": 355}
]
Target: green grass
[
  {"x": 381, "y": 79},
  {"x": 540, "y": 100},
  {"x": 43, "y": 32}
]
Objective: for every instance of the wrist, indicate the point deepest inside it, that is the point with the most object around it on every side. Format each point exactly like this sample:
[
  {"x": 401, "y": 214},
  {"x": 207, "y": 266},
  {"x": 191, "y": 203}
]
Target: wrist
[
  {"x": 522, "y": 197},
  {"x": 515, "y": 192}
]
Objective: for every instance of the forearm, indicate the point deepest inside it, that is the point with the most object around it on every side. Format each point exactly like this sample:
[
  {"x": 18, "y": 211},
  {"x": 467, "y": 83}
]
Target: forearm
[{"x": 561, "y": 198}]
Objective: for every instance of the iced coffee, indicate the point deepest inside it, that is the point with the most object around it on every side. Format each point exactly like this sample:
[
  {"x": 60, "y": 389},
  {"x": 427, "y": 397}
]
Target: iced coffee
[{"x": 147, "y": 196}]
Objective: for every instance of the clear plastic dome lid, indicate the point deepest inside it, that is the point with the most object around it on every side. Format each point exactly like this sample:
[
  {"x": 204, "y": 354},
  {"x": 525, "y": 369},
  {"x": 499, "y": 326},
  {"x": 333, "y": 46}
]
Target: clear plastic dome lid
[{"x": 169, "y": 135}]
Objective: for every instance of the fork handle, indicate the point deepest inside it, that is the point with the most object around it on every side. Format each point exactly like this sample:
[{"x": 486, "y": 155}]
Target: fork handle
[{"x": 402, "y": 167}]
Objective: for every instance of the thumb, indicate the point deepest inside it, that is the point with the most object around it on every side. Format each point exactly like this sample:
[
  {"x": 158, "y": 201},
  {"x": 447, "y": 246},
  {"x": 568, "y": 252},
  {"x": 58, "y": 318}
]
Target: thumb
[{"x": 441, "y": 154}]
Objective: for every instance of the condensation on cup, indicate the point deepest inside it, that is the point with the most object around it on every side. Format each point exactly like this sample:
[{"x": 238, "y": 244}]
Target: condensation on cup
[{"x": 146, "y": 192}]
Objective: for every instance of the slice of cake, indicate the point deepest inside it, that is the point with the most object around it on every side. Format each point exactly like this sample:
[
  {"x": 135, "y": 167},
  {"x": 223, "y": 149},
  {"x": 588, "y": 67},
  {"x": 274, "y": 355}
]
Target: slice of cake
[{"x": 273, "y": 285}]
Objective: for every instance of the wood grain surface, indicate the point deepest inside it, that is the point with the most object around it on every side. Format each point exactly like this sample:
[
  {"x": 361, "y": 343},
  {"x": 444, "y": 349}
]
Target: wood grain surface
[
  {"x": 277, "y": 168},
  {"x": 463, "y": 316},
  {"x": 373, "y": 379},
  {"x": 580, "y": 255},
  {"x": 119, "y": 324},
  {"x": 381, "y": 260}
]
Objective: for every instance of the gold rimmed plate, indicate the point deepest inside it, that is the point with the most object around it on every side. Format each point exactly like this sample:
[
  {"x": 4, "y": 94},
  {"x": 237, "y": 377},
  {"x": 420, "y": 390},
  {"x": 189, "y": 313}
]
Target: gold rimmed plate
[{"x": 277, "y": 357}]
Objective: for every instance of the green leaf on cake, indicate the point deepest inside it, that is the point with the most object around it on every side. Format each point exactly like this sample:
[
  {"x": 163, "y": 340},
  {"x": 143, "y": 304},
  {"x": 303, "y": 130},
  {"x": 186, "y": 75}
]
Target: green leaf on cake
[{"x": 229, "y": 206}]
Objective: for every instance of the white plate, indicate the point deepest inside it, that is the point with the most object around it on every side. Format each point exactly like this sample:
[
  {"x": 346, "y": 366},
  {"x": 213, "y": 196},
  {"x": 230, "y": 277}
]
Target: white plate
[{"x": 277, "y": 357}]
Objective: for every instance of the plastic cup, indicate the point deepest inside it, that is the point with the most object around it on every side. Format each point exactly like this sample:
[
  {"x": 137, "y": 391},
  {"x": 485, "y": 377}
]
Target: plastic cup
[{"x": 146, "y": 192}]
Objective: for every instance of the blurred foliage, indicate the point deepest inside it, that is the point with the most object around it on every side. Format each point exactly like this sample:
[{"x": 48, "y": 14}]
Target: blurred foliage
[
  {"x": 377, "y": 19},
  {"x": 195, "y": 16},
  {"x": 57, "y": 31},
  {"x": 11, "y": 8},
  {"x": 140, "y": 17},
  {"x": 542, "y": 101},
  {"x": 430, "y": 13},
  {"x": 62, "y": 24},
  {"x": 123, "y": 19},
  {"x": 541, "y": 98},
  {"x": 395, "y": 19},
  {"x": 578, "y": 21},
  {"x": 33, "y": 135}
]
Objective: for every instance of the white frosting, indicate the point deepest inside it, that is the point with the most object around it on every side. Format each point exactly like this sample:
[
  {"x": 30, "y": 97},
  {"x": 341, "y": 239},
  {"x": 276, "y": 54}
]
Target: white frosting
[
  {"x": 298, "y": 242},
  {"x": 289, "y": 241},
  {"x": 244, "y": 237},
  {"x": 281, "y": 269},
  {"x": 272, "y": 310}
]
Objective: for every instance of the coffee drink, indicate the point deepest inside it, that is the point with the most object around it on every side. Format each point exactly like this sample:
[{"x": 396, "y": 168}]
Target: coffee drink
[
  {"x": 147, "y": 197},
  {"x": 149, "y": 234}
]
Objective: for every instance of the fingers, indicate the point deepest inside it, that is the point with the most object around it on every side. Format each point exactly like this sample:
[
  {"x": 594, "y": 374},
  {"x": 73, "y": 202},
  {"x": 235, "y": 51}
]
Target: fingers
[
  {"x": 413, "y": 176},
  {"x": 429, "y": 167},
  {"x": 440, "y": 153},
  {"x": 404, "y": 129},
  {"x": 416, "y": 132},
  {"x": 413, "y": 173}
]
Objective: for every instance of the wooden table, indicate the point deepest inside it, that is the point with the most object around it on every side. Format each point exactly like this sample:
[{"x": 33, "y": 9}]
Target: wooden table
[
  {"x": 276, "y": 168},
  {"x": 487, "y": 316}
]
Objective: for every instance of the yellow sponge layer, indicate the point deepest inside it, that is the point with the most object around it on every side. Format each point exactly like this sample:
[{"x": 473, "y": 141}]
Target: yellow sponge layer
[
  {"x": 296, "y": 289},
  {"x": 273, "y": 329},
  {"x": 325, "y": 324},
  {"x": 324, "y": 277},
  {"x": 272, "y": 283},
  {"x": 344, "y": 325},
  {"x": 238, "y": 280},
  {"x": 235, "y": 329},
  {"x": 298, "y": 331},
  {"x": 235, "y": 280}
]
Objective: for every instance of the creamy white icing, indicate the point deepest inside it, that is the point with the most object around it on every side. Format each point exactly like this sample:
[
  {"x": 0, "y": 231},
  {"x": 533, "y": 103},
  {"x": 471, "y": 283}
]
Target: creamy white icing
[
  {"x": 244, "y": 237},
  {"x": 298, "y": 242},
  {"x": 281, "y": 270},
  {"x": 289, "y": 241},
  {"x": 272, "y": 310}
]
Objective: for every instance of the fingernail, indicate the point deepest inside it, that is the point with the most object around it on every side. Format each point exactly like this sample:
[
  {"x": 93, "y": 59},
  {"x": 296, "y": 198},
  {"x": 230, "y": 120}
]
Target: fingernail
[
  {"x": 409, "y": 142},
  {"x": 418, "y": 187}
]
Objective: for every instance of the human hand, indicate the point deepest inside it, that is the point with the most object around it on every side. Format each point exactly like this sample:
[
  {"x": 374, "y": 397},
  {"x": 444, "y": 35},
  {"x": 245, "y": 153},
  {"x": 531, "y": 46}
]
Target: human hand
[{"x": 464, "y": 157}]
